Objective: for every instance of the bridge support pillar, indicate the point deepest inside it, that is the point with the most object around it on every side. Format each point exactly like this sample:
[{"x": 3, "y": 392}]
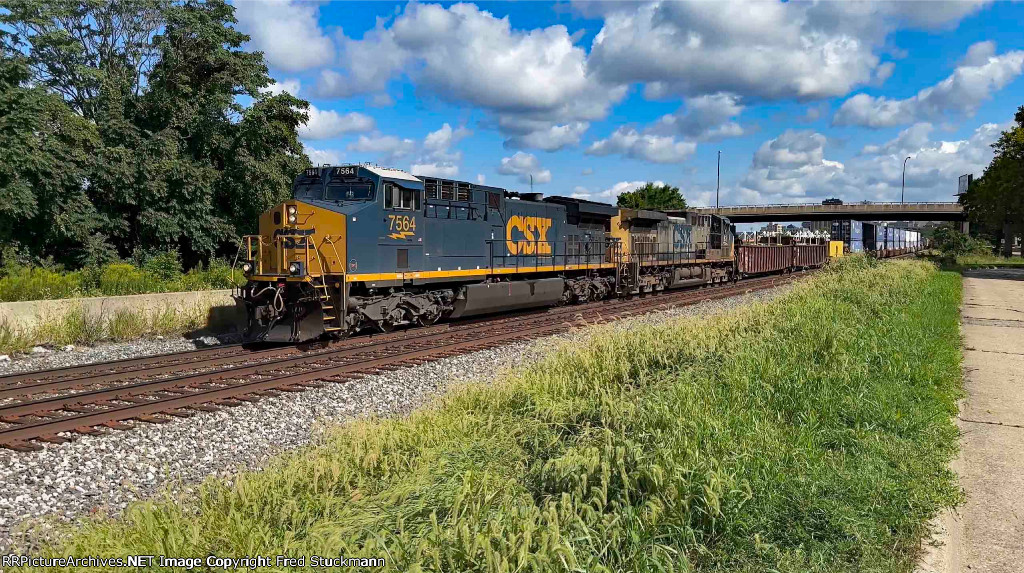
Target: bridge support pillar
[
  {"x": 1008, "y": 235},
  {"x": 965, "y": 227}
]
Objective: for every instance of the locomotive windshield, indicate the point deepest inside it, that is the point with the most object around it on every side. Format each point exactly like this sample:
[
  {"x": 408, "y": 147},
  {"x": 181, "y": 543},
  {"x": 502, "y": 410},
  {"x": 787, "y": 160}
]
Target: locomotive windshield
[
  {"x": 313, "y": 189},
  {"x": 348, "y": 188}
]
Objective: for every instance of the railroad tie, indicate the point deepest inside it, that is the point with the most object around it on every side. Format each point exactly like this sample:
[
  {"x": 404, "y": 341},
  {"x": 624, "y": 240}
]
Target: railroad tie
[
  {"x": 178, "y": 413},
  {"x": 21, "y": 446},
  {"x": 151, "y": 419},
  {"x": 54, "y": 439}
]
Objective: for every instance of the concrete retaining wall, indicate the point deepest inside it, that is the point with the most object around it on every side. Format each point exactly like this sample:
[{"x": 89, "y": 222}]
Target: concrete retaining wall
[{"x": 219, "y": 309}]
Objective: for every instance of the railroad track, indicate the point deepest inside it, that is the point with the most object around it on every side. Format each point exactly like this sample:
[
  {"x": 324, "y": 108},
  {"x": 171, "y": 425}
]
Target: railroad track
[{"x": 55, "y": 405}]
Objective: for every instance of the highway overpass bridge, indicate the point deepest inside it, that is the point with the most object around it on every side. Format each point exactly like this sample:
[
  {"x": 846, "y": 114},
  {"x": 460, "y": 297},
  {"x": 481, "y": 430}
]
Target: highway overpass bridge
[{"x": 858, "y": 211}]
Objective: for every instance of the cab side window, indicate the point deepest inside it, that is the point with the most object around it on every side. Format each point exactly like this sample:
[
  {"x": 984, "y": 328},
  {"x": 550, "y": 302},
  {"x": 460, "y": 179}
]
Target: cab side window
[{"x": 396, "y": 197}]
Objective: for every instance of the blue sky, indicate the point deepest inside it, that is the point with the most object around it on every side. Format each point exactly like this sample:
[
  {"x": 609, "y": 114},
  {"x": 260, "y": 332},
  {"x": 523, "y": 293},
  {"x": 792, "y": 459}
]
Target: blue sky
[{"x": 805, "y": 100}]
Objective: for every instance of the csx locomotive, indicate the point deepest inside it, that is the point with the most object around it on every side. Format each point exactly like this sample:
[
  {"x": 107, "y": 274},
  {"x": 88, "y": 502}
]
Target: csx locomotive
[{"x": 364, "y": 247}]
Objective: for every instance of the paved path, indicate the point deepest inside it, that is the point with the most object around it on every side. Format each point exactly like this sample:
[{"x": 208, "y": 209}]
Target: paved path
[{"x": 986, "y": 534}]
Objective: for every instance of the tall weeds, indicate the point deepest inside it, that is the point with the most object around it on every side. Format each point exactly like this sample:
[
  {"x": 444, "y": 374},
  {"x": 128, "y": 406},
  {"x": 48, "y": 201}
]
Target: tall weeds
[
  {"x": 76, "y": 326},
  {"x": 809, "y": 434}
]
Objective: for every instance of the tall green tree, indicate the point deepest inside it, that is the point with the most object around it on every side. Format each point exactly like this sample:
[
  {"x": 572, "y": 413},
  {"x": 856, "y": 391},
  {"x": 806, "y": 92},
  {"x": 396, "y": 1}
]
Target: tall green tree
[
  {"x": 653, "y": 196},
  {"x": 46, "y": 153},
  {"x": 76, "y": 46},
  {"x": 187, "y": 146},
  {"x": 995, "y": 202}
]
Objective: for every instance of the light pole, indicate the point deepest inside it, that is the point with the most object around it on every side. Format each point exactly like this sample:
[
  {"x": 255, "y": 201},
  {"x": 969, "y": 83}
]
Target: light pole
[
  {"x": 718, "y": 185},
  {"x": 904, "y": 188}
]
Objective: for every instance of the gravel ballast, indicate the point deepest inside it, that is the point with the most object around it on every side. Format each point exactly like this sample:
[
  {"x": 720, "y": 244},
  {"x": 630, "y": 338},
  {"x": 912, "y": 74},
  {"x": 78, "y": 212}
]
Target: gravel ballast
[
  {"x": 104, "y": 473},
  {"x": 62, "y": 357}
]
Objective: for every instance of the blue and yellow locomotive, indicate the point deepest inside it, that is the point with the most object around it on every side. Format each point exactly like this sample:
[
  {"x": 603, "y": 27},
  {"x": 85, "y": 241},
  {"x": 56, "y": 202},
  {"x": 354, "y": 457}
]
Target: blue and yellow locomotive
[{"x": 364, "y": 247}]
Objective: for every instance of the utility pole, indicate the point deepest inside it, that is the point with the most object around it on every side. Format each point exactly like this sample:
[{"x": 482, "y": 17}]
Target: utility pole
[
  {"x": 718, "y": 186},
  {"x": 904, "y": 188}
]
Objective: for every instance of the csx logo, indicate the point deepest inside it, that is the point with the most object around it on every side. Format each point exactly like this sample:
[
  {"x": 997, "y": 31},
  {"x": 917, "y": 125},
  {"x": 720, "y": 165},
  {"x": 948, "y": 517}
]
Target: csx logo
[{"x": 527, "y": 235}]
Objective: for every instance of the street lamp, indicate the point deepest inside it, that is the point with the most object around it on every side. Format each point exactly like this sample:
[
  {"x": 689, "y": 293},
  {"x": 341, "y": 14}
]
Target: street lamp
[
  {"x": 718, "y": 185},
  {"x": 904, "y": 188}
]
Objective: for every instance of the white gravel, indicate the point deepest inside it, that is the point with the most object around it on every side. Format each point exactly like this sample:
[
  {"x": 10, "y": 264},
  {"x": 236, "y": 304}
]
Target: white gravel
[
  {"x": 46, "y": 358},
  {"x": 104, "y": 473}
]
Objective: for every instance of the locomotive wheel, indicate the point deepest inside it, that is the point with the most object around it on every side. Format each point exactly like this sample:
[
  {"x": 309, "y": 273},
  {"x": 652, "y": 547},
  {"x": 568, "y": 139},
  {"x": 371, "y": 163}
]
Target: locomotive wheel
[
  {"x": 385, "y": 326},
  {"x": 428, "y": 317}
]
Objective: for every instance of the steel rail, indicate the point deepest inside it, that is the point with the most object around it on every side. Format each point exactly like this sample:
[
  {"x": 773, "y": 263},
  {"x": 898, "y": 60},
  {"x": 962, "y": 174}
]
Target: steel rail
[{"x": 362, "y": 360}]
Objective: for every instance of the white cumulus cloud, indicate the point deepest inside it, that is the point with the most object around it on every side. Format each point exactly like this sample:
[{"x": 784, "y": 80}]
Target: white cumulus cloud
[
  {"x": 794, "y": 167},
  {"x": 325, "y": 124},
  {"x": 463, "y": 54},
  {"x": 384, "y": 146},
  {"x": 979, "y": 75},
  {"x": 324, "y": 156},
  {"x": 706, "y": 118},
  {"x": 290, "y": 86},
  {"x": 549, "y": 136},
  {"x": 447, "y": 170},
  {"x": 437, "y": 143},
  {"x": 629, "y": 142},
  {"x": 288, "y": 33},
  {"x": 523, "y": 165},
  {"x": 774, "y": 50}
]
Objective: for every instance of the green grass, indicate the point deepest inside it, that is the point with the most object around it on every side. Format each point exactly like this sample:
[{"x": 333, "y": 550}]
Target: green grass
[
  {"x": 810, "y": 434},
  {"x": 975, "y": 261},
  {"x": 40, "y": 283}
]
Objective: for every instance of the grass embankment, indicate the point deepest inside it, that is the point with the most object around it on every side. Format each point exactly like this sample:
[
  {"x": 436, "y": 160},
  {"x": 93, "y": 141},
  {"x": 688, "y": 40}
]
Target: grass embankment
[{"x": 811, "y": 434}]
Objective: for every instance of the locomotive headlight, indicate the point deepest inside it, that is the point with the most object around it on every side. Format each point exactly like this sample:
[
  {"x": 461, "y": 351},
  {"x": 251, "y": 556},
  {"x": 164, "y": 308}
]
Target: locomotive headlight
[
  {"x": 292, "y": 219},
  {"x": 292, "y": 214},
  {"x": 246, "y": 268},
  {"x": 293, "y": 268},
  {"x": 291, "y": 209}
]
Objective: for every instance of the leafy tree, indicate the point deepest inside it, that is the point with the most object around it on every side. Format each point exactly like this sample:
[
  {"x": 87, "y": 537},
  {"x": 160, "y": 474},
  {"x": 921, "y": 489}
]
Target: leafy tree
[
  {"x": 653, "y": 196},
  {"x": 74, "y": 46},
  {"x": 165, "y": 134},
  {"x": 45, "y": 159},
  {"x": 995, "y": 202}
]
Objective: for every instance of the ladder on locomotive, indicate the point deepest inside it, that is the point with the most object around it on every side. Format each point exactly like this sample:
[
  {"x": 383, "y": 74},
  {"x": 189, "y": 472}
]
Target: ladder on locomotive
[
  {"x": 323, "y": 292},
  {"x": 627, "y": 273}
]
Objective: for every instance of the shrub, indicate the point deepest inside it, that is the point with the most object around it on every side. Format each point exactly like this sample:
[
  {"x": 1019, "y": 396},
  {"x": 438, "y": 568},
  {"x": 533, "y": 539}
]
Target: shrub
[
  {"x": 159, "y": 273},
  {"x": 166, "y": 265},
  {"x": 29, "y": 283},
  {"x": 952, "y": 243},
  {"x": 122, "y": 279}
]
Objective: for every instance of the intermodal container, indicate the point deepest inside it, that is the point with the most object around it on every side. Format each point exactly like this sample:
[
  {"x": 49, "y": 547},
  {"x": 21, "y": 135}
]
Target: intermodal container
[
  {"x": 760, "y": 259},
  {"x": 850, "y": 232},
  {"x": 869, "y": 236}
]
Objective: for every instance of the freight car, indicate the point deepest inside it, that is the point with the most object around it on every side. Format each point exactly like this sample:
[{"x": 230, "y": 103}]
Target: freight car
[
  {"x": 364, "y": 247},
  {"x": 789, "y": 254},
  {"x": 879, "y": 239}
]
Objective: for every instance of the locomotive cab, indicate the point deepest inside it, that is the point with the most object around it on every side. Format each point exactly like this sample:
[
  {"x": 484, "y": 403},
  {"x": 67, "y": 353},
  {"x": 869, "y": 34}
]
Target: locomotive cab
[{"x": 299, "y": 265}]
